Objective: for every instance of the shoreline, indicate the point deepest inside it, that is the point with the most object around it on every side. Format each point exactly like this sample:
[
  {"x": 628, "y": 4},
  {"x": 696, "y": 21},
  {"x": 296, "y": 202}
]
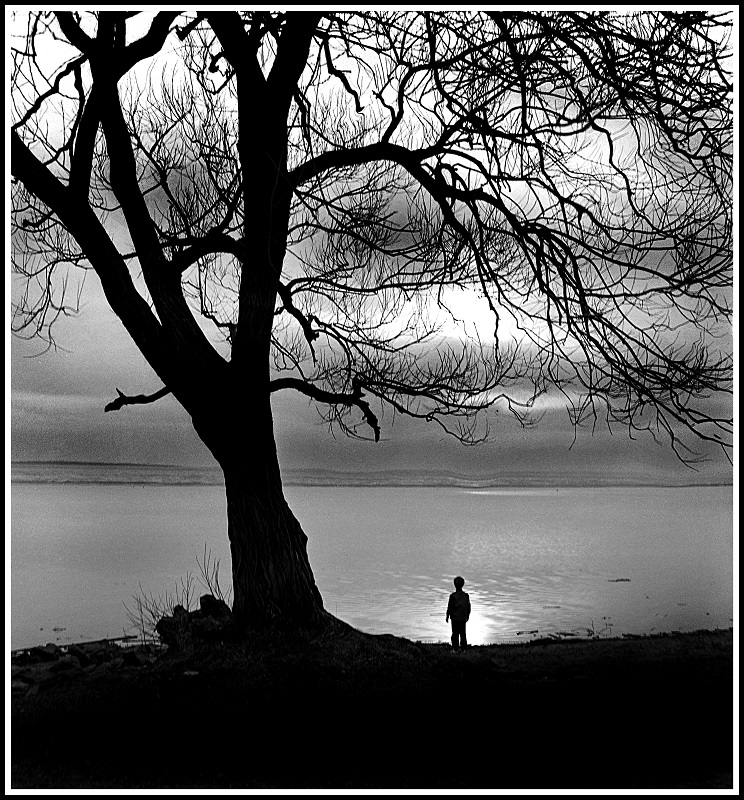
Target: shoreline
[
  {"x": 134, "y": 639},
  {"x": 361, "y": 711}
]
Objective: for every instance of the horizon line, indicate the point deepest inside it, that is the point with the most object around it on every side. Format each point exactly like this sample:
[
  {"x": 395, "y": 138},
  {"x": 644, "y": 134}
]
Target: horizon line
[{"x": 356, "y": 477}]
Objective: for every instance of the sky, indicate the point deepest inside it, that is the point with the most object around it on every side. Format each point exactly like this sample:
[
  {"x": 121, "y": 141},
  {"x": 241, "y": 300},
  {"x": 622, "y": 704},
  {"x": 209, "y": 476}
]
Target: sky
[
  {"x": 57, "y": 400},
  {"x": 58, "y": 396}
]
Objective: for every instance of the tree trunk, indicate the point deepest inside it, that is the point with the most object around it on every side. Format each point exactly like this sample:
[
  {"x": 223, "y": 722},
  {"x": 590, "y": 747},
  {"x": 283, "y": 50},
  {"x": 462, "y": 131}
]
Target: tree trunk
[
  {"x": 273, "y": 583},
  {"x": 272, "y": 578}
]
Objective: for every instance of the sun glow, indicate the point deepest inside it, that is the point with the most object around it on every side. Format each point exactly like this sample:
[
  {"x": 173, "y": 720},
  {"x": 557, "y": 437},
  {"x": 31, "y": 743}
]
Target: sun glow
[
  {"x": 452, "y": 313},
  {"x": 480, "y": 629},
  {"x": 465, "y": 311}
]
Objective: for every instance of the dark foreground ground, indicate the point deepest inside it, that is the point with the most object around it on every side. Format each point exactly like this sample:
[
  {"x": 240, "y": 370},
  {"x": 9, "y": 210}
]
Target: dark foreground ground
[{"x": 349, "y": 710}]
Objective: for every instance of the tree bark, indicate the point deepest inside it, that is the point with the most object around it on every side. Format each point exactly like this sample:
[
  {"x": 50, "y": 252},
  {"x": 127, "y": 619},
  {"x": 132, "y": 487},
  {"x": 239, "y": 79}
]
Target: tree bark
[{"x": 273, "y": 583}]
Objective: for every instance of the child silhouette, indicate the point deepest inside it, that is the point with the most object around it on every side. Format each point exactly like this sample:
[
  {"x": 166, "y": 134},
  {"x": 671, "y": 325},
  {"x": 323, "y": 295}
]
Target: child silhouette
[{"x": 458, "y": 610}]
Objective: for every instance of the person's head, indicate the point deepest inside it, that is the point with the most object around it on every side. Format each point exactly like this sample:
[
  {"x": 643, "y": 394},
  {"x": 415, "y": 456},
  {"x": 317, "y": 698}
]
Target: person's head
[{"x": 459, "y": 582}]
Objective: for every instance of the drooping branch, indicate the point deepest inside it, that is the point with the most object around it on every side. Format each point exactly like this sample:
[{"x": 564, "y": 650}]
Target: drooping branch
[
  {"x": 305, "y": 322},
  {"x": 100, "y": 251},
  {"x": 70, "y": 68},
  {"x": 353, "y": 398},
  {"x": 137, "y": 399},
  {"x": 337, "y": 73}
]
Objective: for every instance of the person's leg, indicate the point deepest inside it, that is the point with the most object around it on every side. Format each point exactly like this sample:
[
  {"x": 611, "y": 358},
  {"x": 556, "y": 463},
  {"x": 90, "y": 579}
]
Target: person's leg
[
  {"x": 463, "y": 637},
  {"x": 458, "y": 634}
]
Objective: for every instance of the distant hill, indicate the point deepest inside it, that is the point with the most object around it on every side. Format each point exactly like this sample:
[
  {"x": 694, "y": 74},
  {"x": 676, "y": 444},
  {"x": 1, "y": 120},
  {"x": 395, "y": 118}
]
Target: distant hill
[
  {"x": 163, "y": 474},
  {"x": 515, "y": 479}
]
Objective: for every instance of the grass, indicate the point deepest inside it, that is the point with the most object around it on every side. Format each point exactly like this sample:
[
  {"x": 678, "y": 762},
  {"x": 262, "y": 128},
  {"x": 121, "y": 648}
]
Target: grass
[{"x": 350, "y": 710}]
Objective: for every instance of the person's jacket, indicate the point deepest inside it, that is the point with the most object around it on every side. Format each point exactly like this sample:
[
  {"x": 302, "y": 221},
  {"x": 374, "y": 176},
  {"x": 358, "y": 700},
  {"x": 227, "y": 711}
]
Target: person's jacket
[{"x": 458, "y": 607}]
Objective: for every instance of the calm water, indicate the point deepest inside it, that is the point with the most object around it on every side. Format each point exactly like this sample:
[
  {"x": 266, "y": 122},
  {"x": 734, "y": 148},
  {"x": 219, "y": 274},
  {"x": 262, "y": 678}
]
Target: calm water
[{"x": 536, "y": 561}]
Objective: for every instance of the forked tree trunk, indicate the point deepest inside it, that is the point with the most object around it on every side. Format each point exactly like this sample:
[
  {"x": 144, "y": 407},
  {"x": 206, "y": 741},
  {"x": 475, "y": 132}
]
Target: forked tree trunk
[{"x": 273, "y": 583}]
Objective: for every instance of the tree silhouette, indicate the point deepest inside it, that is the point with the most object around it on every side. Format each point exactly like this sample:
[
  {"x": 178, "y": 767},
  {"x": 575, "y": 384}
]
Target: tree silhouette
[{"x": 317, "y": 188}]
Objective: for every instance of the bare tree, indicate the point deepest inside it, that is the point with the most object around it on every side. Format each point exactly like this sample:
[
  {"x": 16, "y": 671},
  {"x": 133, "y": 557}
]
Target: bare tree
[{"x": 315, "y": 187}]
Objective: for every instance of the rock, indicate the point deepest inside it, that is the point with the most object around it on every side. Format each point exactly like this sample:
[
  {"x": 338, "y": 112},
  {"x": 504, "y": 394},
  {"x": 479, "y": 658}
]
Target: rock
[
  {"x": 64, "y": 663},
  {"x": 137, "y": 657},
  {"x": 210, "y": 606},
  {"x": 47, "y": 652},
  {"x": 212, "y": 621},
  {"x": 175, "y": 631},
  {"x": 95, "y": 652},
  {"x": 82, "y": 657}
]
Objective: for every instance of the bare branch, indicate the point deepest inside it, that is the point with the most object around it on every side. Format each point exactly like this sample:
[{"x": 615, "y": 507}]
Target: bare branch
[
  {"x": 570, "y": 172},
  {"x": 353, "y": 398},
  {"x": 126, "y": 400}
]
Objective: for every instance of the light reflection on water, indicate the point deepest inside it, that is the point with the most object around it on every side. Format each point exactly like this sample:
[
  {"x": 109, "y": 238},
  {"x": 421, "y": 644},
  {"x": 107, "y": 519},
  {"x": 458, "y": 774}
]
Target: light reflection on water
[{"x": 546, "y": 560}]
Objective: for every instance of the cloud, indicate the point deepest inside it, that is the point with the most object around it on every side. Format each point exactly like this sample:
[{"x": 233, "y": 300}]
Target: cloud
[
  {"x": 40, "y": 404},
  {"x": 58, "y": 400}
]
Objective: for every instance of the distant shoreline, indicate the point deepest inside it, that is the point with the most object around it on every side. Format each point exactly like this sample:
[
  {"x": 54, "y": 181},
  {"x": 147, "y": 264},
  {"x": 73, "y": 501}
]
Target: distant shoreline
[{"x": 178, "y": 475}]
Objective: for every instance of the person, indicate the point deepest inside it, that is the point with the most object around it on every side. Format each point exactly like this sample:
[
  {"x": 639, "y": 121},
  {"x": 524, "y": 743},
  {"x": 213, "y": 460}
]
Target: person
[{"x": 458, "y": 610}]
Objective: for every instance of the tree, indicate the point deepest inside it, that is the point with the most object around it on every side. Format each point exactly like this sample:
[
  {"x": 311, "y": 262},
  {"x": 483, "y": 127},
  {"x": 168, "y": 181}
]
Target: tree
[{"x": 315, "y": 186}]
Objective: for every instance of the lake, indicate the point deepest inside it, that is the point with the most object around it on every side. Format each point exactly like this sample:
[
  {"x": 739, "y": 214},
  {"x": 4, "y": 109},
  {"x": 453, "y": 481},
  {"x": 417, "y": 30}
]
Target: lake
[{"x": 536, "y": 561}]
